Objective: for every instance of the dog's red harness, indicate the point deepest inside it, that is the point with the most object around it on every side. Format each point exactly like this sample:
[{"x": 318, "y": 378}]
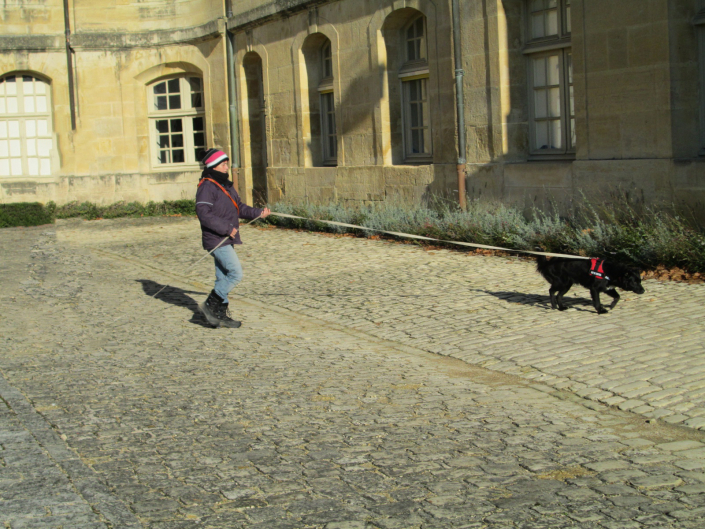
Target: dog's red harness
[{"x": 596, "y": 269}]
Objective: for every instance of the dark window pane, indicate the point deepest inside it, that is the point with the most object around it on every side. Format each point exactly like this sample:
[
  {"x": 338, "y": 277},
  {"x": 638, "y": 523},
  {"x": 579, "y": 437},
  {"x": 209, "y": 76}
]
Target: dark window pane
[
  {"x": 199, "y": 139},
  {"x": 332, "y": 146},
  {"x": 160, "y": 102},
  {"x": 10, "y": 79},
  {"x": 198, "y": 123},
  {"x": 196, "y": 100},
  {"x": 417, "y": 45},
  {"x": 413, "y": 91},
  {"x": 163, "y": 142},
  {"x": 173, "y": 86},
  {"x": 414, "y": 116},
  {"x": 160, "y": 88},
  {"x": 163, "y": 156},
  {"x": 419, "y": 27},
  {"x": 162, "y": 126},
  {"x": 415, "y": 140},
  {"x": 178, "y": 156},
  {"x": 27, "y": 78},
  {"x": 177, "y": 140},
  {"x": 195, "y": 83},
  {"x": 410, "y": 33},
  {"x": 200, "y": 153},
  {"x": 176, "y": 125},
  {"x": 410, "y": 50},
  {"x": 175, "y": 101}
]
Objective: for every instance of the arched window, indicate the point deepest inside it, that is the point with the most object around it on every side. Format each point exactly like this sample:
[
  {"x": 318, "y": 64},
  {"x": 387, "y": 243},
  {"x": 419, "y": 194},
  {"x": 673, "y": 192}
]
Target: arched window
[
  {"x": 25, "y": 126},
  {"x": 416, "y": 120},
  {"x": 329, "y": 136},
  {"x": 177, "y": 121},
  {"x": 552, "y": 127}
]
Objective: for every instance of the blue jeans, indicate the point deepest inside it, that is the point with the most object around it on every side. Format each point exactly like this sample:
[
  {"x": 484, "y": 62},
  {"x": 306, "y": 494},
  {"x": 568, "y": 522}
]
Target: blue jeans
[{"x": 228, "y": 271}]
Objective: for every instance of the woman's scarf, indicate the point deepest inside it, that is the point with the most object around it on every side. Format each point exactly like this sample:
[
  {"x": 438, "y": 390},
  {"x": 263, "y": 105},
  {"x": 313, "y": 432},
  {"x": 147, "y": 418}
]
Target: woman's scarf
[{"x": 221, "y": 178}]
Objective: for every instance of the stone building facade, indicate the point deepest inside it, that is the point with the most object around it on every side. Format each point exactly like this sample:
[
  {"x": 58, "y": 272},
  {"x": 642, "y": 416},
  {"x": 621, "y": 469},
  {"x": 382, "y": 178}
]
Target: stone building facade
[{"x": 353, "y": 100}]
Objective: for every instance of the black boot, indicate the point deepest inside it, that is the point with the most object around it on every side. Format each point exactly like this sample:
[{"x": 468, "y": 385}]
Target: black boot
[
  {"x": 211, "y": 308},
  {"x": 224, "y": 317}
]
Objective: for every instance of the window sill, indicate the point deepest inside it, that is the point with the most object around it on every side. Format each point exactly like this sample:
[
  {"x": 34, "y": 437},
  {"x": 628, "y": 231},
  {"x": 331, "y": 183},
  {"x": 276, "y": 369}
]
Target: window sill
[
  {"x": 418, "y": 161},
  {"x": 570, "y": 157},
  {"x": 547, "y": 45},
  {"x": 184, "y": 168},
  {"x": 413, "y": 69},
  {"x": 326, "y": 85}
]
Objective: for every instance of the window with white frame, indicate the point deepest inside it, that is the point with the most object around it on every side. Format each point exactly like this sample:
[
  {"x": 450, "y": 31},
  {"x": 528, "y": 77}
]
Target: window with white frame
[
  {"x": 551, "y": 100},
  {"x": 329, "y": 136},
  {"x": 414, "y": 73},
  {"x": 25, "y": 126},
  {"x": 699, "y": 23},
  {"x": 177, "y": 122}
]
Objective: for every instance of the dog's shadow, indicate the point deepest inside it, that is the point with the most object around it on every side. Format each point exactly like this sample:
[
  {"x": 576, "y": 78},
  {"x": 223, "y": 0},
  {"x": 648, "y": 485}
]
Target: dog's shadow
[
  {"x": 175, "y": 296},
  {"x": 543, "y": 302}
]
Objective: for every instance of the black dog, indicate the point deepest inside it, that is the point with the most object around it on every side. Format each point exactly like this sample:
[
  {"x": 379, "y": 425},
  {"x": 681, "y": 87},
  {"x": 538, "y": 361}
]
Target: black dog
[{"x": 597, "y": 275}]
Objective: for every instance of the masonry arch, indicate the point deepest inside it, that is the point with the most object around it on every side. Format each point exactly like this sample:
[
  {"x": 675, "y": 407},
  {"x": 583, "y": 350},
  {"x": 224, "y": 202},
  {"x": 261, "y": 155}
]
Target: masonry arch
[
  {"x": 385, "y": 34},
  {"x": 255, "y": 139}
]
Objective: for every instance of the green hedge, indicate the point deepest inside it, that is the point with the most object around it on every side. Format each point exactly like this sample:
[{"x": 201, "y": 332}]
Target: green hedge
[
  {"x": 35, "y": 214},
  {"x": 90, "y": 211},
  {"x": 24, "y": 214}
]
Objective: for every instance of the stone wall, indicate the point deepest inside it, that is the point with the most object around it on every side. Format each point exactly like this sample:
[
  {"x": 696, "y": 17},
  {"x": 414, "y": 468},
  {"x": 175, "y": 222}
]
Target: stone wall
[
  {"x": 107, "y": 158},
  {"x": 636, "y": 77}
]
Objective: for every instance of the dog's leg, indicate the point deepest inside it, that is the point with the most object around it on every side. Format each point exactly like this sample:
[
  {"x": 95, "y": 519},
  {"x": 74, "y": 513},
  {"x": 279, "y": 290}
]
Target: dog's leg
[
  {"x": 596, "y": 301},
  {"x": 559, "y": 298},
  {"x": 614, "y": 295},
  {"x": 552, "y": 292}
]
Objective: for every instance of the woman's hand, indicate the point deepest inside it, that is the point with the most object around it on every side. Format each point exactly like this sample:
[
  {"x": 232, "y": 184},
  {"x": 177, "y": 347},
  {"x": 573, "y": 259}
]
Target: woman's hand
[
  {"x": 233, "y": 233},
  {"x": 265, "y": 213}
]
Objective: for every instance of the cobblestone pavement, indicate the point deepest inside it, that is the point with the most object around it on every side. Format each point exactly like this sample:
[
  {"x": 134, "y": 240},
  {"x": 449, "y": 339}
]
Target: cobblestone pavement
[{"x": 329, "y": 408}]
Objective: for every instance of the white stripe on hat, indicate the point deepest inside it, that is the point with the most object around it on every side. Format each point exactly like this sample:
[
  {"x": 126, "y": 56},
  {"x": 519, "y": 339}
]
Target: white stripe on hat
[{"x": 217, "y": 157}]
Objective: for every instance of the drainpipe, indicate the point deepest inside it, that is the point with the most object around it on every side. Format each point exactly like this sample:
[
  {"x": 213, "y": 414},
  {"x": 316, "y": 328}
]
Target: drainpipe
[
  {"x": 232, "y": 94},
  {"x": 459, "y": 72},
  {"x": 69, "y": 64}
]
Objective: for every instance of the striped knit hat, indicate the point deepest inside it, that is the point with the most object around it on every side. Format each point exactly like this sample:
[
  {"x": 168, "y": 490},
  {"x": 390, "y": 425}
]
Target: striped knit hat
[{"x": 214, "y": 157}]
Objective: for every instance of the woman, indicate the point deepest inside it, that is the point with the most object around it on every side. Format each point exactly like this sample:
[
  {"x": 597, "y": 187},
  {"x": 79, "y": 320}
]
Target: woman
[{"x": 219, "y": 209}]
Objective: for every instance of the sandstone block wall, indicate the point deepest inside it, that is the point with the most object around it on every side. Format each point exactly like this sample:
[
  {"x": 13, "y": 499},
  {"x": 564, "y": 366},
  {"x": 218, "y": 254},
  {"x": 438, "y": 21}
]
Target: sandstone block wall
[{"x": 637, "y": 76}]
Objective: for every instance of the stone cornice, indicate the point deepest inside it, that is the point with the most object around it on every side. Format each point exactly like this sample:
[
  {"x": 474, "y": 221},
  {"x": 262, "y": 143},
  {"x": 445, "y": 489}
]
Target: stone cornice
[
  {"x": 271, "y": 11},
  {"x": 31, "y": 42},
  {"x": 147, "y": 39}
]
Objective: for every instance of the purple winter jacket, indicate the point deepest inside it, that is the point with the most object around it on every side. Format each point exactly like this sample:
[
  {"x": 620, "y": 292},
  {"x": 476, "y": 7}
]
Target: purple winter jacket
[{"x": 218, "y": 215}]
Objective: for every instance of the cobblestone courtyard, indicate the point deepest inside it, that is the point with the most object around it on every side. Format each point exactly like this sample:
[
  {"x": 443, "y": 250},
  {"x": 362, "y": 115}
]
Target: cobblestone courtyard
[{"x": 372, "y": 385}]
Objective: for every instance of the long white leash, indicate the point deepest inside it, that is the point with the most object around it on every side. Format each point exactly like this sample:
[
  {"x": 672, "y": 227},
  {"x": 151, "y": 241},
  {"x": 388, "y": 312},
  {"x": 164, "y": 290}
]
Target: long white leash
[
  {"x": 430, "y": 239},
  {"x": 386, "y": 232}
]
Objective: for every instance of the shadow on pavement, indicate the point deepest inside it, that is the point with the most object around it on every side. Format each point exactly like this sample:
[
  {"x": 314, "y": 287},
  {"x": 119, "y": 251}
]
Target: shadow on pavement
[
  {"x": 176, "y": 296},
  {"x": 543, "y": 302}
]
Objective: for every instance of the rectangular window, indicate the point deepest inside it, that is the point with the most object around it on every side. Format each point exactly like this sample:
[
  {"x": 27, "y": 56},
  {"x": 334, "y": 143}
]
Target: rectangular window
[
  {"x": 553, "y": 116},
  {"x": 699, "y": 23},
  {"x": 177, "y": 121},
  {"x": 329, "y": 136},
  {"x": 416, "y": 120},
  {"x": 551, "y": 97}
]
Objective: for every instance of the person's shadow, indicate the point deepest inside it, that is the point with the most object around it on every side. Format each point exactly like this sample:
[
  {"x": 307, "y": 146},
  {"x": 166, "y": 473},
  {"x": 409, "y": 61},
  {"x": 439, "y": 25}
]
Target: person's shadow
[{"x": 176, "y": 296}]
